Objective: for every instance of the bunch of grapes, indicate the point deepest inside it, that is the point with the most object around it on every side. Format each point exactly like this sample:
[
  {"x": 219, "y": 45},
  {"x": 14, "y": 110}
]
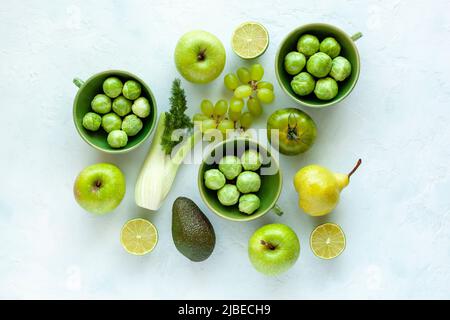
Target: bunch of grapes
[
  {"x": 248, "y": 84},
  {"x": 225, "y": 116},
  {"x": 222, "y": 117}
]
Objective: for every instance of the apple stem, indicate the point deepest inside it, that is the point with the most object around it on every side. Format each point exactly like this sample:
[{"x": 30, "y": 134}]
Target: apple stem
[
  {"x": 355, "y": 168},
  {"x": 96, "y": 185},
  {"x": 268, "y": 245},
  {"x": 201, "y": 55}
]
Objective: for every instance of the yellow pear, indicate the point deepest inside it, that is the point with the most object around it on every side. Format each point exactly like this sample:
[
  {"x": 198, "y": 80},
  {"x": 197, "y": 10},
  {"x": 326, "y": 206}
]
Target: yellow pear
[{"x": 319, "y": 188}]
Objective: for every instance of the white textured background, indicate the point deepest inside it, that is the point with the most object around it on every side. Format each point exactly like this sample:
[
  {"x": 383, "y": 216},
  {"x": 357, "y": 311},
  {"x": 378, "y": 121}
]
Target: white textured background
[{"x": 395, "y": 212}]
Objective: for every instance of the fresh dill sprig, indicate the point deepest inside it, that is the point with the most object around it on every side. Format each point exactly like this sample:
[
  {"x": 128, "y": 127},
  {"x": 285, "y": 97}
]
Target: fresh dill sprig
[{"x": 176, "y": 117}]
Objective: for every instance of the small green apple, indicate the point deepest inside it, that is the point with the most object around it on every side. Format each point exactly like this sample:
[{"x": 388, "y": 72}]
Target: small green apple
[
  {"x": 273, "y": 249},
  {"x": 200, "y": 56},
  {"x": 99, "y": 188}
]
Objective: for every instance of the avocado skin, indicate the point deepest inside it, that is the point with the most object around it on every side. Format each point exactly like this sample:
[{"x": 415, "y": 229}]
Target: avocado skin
[{"x": 192, "y": 232}]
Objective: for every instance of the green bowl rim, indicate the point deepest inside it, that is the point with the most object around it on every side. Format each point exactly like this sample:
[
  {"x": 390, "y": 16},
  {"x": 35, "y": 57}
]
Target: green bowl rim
[
  {"x": 252, "y": 216},
  {"x": 295, "y": 97},
  {"x": 154, "y": 117}
]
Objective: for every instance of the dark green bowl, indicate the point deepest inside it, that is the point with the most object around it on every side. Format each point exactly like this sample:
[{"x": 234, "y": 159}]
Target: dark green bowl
[
  {"x": 348, "y": 50},
  {"x": 82, "y": 105},
  {"x": 270, "y": 184}
]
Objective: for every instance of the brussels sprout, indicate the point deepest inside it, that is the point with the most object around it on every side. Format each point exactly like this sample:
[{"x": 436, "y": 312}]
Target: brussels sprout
[
  {"x": 340, "y": 68},
  {"x": 251, "y": 160},
  {"x": 249, "y": 203},
  {"x": 112, "y": 87},
  {"x": 230, "y": 166},
  {"x": 92, "y": 121},
  {"x": 117, "y": 139},
  {"x": 111, "y": 122},
  {"x": 319, "y": 65},
  {"x": 131, "y": 89},
  {"x": 121, "y": 106},
  {"x": 326, "y": 89},
  {"x": 228, "y": 195},
  {"x": 248, "y": 181},
  {"x": 214, "y": 179},
  {"x": 294, "y": 62},
  {"x": 141, "y": 107},
  {"x": 308, "y": 44},
  {"x": 303, "y": 84},
  {"x": 101, "y": 104},
  {"x": 131, "y": 124},
  {"x": 330, "y": 46}
]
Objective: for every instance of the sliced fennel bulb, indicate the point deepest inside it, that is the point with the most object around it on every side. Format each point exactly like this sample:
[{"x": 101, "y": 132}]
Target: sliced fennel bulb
[{"x": 159, "y": 169}]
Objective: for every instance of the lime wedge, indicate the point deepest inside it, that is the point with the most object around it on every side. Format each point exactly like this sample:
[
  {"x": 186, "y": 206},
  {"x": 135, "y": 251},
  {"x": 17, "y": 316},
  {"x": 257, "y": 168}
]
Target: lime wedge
[
  {"x": 139, "y": 236},
  {"x": 250, "y": 40},
  {"x": 327, "y": 241}
]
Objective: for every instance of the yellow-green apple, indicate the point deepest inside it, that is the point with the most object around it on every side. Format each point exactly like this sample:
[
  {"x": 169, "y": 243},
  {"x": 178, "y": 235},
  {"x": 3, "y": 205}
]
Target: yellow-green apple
[
  {"x": 99, "y": 188},
  {"x": 199, "y": 56},
  {"x": 273, "y": 249}
]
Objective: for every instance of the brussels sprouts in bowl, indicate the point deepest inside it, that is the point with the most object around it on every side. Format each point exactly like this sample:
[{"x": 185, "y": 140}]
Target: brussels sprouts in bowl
[
  {"x": 253, "y": 185},
  {"x": 315, "y": 41},
  {"x": 97, "y": 95}
]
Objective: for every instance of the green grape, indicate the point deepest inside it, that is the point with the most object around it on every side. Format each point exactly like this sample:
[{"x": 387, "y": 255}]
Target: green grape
[
  {"x": 207, "y": 107},
  {"x": 256, "y": 72},
  {"x": 236, "y": 104},
  {"x": 208, "y": 124},
  {"x": 221, "y": 108},
  {"x": 225, "y": 125},
  {"x": 199, "y": 117},
  {"x": 246, "y": 120},
  {"x": 231, "y": 81},
  {"x": 264, "y": 84},
  {"x": 234, "y": 115},
  {"x": 265, "y": 95},
  {"x": 243, "y": 75},
  {"x": 254, "y": 106},
  {"x": 243, "y": 91}
]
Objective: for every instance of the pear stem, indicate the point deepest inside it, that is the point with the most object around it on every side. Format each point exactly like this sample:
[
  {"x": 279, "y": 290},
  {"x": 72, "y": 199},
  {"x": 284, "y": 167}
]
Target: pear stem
[
  {"x": 355, "y": 168},
  {"x": 268, "y": 245}
]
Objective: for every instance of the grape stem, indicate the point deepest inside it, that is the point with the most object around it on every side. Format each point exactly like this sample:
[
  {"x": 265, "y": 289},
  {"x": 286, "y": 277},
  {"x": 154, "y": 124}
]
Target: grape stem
[{"x": 253, "y": 84}]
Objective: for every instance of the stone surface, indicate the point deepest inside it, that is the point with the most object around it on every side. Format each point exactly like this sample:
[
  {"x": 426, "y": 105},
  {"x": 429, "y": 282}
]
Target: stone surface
[{"x": 395, "y": 212}]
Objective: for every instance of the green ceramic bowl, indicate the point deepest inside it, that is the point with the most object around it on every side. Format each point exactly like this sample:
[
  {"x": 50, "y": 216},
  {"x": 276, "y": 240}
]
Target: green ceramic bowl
[
  {"x": 82, "y": 105},
  {"x": 270, "y": 184},
  {"x": 348, "y": 50}
]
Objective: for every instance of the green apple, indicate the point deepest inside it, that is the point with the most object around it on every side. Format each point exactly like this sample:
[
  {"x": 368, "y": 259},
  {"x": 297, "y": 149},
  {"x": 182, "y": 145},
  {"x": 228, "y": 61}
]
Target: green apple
[
  {"x": 99, "y": 188},
  {"x": 199, "y": 56},
  {"x": 273, "y": 249}
]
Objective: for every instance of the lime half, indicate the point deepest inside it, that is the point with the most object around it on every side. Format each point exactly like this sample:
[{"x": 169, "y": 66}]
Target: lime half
[
  {"x": 250, "y": 40},
  {"x": 139, "y": 236},
  {"x": 327, "y": 241}
]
